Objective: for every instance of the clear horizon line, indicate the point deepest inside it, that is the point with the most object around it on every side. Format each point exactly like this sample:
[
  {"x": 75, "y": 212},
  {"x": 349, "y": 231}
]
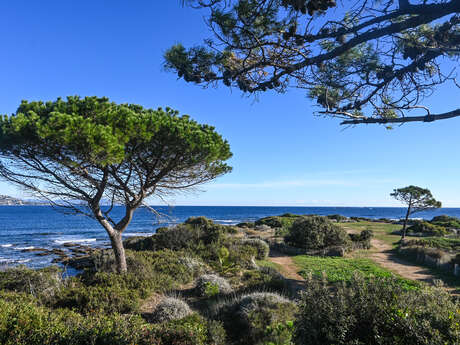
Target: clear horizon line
[{"x": 329, "y": 206}]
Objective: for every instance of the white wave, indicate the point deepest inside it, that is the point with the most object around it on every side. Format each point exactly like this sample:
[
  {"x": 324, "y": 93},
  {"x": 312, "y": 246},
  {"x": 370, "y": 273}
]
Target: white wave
[
  {"x": 4, "y": 260},
  {"x": 81, "y": 240},
  {"x": 132, "y": 234},
  {"x": 24, "y": 248},
  {"x": 226, "y": 220},
  {"x": 22, "y": 261},
  {"x": 6, "y": 245}
]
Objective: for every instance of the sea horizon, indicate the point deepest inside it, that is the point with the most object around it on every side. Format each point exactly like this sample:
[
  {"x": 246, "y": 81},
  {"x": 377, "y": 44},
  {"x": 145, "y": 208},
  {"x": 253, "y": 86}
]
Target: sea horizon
[{"x": 26, "y": 228}]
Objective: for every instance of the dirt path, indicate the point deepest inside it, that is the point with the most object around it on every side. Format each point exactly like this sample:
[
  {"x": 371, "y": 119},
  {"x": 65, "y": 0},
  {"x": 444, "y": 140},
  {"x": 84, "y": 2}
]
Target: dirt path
[
  {"x": 289, "y": 271},
  {"x": 385, "y": 258}
]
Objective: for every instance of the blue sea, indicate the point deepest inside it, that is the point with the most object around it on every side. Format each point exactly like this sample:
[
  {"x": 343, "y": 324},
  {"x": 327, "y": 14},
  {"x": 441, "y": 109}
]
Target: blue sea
[{"x": 28, "y": 227}]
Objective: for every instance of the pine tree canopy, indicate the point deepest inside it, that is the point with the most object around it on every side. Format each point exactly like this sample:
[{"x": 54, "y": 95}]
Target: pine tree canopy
[{"x": 361, "y": 61}]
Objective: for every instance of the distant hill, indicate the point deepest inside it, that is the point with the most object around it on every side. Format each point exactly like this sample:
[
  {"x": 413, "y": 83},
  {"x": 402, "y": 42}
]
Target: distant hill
[{"x": 8, "y": 200}]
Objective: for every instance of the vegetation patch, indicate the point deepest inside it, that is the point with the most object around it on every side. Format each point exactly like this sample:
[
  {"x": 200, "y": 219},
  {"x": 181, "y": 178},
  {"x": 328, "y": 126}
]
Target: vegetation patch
[
  {"x": 445, "y": 243},
  {"x": 342, "y": 269},
  {"x": 427, "y": 229},
  {"x": 367, "y": 311},
  {"x": 247, "y": 318},
  {"x": 209, "y": 285},
  {"x": 446, "y": 221},
  {"x": 316, "y": 232},
  {"x": 283, "y": 221}
]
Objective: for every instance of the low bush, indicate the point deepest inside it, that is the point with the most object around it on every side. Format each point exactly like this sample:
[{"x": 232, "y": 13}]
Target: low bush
[
  {"x": 190, "y": 330},
  {"x": 170, "y": 308},
  {"x": 261, "y": 246},
  {"x": 449, "y": 244},
  {"x": 109, "y": 292},
  {"x": 316, "y": 232},
  {"x": 240, "y": 253},
  {"x": 99, "y": 298},
  {"x": 264, "y": 278},
  {"x": 43, "y": 283},
  {"x": 209, "y": 285},
  {"x": 283, "y": 221},
  {"x": 337, "y": 217},
  {"x": 446, "y": 221},
  {"x": 246, "y": 225},
  {"x": 27, "y": 324},
  {"x": 194, "y": 265},
  {"x": 378, "y": 311},
  {"x": 427, "y": 229},
  {"x": 175, "y": 238},
  {"x": 362, "y": 240},
  {"x": 194, "y": 232},
  {"x": 433, "y": 257},
  {"x": 247, "y": 318}
]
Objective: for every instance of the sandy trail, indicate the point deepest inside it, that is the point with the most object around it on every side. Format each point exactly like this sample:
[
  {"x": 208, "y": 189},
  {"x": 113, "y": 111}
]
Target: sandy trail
[
  {"x": 289, "y": 271},
  {"x": 385, "y": 258}
]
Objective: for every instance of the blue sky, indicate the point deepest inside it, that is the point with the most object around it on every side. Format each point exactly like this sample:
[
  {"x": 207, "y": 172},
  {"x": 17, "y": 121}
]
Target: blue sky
[{"x": 283, "y": 155}]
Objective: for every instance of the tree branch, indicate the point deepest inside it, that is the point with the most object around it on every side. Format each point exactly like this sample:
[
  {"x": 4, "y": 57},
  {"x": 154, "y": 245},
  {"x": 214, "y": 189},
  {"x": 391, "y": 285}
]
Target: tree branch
[{"x": 427, "y": 118}]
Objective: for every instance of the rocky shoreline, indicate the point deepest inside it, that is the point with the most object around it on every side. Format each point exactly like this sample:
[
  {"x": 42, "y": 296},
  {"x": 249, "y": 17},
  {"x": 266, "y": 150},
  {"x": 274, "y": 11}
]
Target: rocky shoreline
[{"x": 75, "y": 255}]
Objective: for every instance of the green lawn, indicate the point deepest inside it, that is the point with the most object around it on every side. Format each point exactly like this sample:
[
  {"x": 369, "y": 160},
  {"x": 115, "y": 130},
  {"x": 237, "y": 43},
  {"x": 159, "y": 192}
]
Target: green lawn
[
  {"x": 339, "y": 269},
  {"x": 382, "y": 231}
]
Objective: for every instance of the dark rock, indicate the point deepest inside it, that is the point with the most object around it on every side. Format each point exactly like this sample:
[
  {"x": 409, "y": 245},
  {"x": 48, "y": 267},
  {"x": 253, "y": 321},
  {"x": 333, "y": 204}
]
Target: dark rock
[
  {"x": 58, "y": 252},
  {"x": 79, "y": 263},
  {"x": 70, "y": 244},
  {"x": 28, "y": 250},
  {"x": 43, "y": 253}
]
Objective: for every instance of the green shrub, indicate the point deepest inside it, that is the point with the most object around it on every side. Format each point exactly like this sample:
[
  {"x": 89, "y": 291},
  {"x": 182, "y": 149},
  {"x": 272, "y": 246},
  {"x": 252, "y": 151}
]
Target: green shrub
[
  {"x": 316, "y": 232},
  {"x": 446, "y": 221},
  {"x": 362, "y": 240},
  {"x": 280, "y": 334},
  {"x": 337, "y": 217},
  {"x": 193, "y": 233},
  {"x": 241, "y": 254},
  {"x": 378, "y": 311},
  {"x": 101, "y": 298},
  {"x": 211, "y": 284},
  {"x": 43, "y": 283},
  {"x": 261, "y": 246},
  {"x": 449, "y": 244},
  {"x": 264, "y": 278},
  {"x": 108, "y": 292},
  {"x": 23, "y": 323},
  {"x": 283, "y": 221},
  {"x": 191, "y": 330},
  {"x": 421, "y": 254},
  {"x": 247, "y": 318},
  {"x": 246, "y": 225},
  {"x": 175, "y": 238},
  {"x": 427, "y": 229}
]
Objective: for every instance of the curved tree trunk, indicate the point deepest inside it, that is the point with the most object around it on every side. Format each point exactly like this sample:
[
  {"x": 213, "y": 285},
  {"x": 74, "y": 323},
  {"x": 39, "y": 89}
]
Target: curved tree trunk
[
  {"x": 118, "y": 251},
  {"x": 115, "y": 239},
  {"x": 403, "y": 235}
]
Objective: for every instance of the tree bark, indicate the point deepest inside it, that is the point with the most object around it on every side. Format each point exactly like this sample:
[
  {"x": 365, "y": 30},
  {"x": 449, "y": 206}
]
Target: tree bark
[
  {"x": 405, "y": 219},
  {"x": 118, "y": 251},
  {"x": 115, "y": 239}
]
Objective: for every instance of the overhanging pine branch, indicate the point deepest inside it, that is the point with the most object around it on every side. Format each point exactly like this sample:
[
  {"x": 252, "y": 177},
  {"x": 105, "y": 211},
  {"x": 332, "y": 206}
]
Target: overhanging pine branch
[{"x": 427, "y": 118}]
